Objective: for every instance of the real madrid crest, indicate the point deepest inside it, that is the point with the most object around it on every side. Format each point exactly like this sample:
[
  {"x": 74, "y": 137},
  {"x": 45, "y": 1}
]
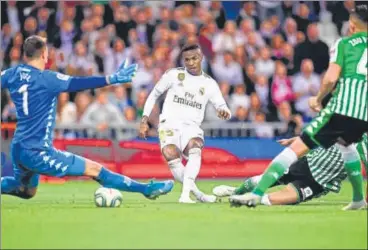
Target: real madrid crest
[
  {"x": 201, "y": 91},
  {"x": 181, "y": 76}
]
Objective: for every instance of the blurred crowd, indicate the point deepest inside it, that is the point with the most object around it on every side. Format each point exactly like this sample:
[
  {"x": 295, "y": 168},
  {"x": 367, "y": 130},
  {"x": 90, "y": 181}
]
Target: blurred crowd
[{"x": 268, "y": 60}]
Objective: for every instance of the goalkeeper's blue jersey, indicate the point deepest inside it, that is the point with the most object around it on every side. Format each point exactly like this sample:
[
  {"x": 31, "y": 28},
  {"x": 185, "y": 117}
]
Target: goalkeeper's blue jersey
[{"x": 34, "y": 93}]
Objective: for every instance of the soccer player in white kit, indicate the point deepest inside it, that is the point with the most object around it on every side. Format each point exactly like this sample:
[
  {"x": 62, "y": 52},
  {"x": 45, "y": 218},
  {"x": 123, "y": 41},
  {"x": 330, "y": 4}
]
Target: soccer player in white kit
[{"x": 188, "y": 91}]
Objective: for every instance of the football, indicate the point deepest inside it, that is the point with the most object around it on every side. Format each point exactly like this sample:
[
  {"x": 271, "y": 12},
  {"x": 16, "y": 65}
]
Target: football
[{"x": 108, "y": 197}]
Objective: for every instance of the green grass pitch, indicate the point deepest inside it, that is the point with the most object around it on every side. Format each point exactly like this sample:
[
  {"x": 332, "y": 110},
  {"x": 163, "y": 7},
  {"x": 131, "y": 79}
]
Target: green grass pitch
[{"x": 64, "y": 216}]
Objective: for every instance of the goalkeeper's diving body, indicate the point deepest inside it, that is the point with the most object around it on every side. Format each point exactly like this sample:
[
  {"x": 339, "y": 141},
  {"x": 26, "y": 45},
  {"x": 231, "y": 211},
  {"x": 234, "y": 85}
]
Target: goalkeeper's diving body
[{"x": 34, "y": 92}]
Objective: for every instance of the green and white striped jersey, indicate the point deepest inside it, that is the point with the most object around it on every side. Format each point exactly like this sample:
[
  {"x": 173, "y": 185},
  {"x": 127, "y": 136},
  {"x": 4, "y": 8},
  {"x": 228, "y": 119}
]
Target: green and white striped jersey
[
  {"x": 327, "y": 167},
  {"x": 350, "y": 97}
]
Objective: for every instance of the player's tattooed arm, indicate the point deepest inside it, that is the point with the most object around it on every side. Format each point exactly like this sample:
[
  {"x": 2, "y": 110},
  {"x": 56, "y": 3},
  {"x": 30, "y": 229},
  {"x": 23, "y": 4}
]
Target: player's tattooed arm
[
  {"x": 143, "y": 127},
  {"x": 224, "y": 113}
]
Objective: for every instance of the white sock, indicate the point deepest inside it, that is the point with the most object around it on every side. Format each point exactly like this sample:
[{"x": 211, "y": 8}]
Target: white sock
[
  {"x": 256, "y": 179},
  {"x": 177, "y": 169},
  {"x": 265, "y": 200},
  {"x": 191, "y": 171}
]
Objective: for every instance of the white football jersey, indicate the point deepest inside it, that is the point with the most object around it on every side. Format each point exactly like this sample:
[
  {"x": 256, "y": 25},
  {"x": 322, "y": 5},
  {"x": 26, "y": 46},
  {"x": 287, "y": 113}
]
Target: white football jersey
[{"x": 187, "y": 96}]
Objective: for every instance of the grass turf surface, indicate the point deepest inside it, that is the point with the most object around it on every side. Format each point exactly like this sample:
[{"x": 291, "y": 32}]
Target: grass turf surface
[{"x": 64, "y": 216}]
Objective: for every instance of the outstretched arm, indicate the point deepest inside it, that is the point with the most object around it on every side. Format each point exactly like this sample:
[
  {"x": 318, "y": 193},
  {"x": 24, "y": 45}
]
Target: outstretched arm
[
  {"x": 218, "y": 101},
  {"x": 162, "y": 85},
  {"x": 57, "y": 82}
]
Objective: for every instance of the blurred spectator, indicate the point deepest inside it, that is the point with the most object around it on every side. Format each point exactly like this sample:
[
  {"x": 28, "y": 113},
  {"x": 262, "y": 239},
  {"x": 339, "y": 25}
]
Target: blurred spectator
[
  {"x": 264, "y": 65},
  {"x": 205, "y": 39},
  {"x": 218, "y": 13},
  {"x": 101, "y": 113},
  {"x": 66, "y": 37},
  {"x": 80, "y": 62},
  {"x": 290, "y": 31},
  {"x": 13, "y": 16},
  {"x": 240, "y": 56},
  {"x": 130, "y": 114},
  {"x": 262, "y": 129},
  {"x": 227, "y": 40},
  {"x": 66, "y": 113},
  {"x": 288, "y": 58},
  {"x": 305, "y": 85},
  {"x": 262, "y": 89},
  {"x": 294, "y": 123},
  {"x": 82, "y": 101},
  {"x": 340, "y": 13},
  {"x": 248, "y": 12},
  {"x": 30, "y": 27},
  {"x": 254, "y": 43},
  {"x": 15, "y": 57},
  {"x": 266, "y": 9},
  {"x": 281, "y": 88},
  {"x": 9, "y": 113},
  {"x": 120, "y": 98},
  {"x": 140, "y": 101},
  {"x": 327, "y": 29},
  {"x": 6, "y": 36},
  {"x": 239, "y": 98},
  {"x": 166, "y": 18},
  {"x": 240, "y": 114},
  {"x": 144, "y": 29},
  {"x": 226, "y": 70},
  {"x": 102, "y": 56},
  {"x": 320, "y": 56},
  {"x": 120, "y": 53},
  {"x": 43, "y": 15},
  {"x": 302, "y": 18},
  {"x": 267, "y": 31},
  {"x": 250, "y": 77},
  {"x": 145, "y": 75},
  {"x": 255, "y": 107},
  {"x": 277, "y": 43}
]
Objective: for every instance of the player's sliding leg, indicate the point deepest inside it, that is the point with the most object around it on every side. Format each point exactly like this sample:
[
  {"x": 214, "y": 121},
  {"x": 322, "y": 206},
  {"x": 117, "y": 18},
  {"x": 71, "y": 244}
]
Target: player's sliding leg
[
  {"x": 11, "y": 186},
  {"x": 194, "y": 152},
  {"x": 286, "y": 196},
  {"x": 247, "y": 186},
  {"x": 110, "y": 179},
  {"x": 353, "y": 169},
  {"x": 23, "y": 184},
  {"x": 56, "y": 163},
  {"x": 276, "y": 170}
]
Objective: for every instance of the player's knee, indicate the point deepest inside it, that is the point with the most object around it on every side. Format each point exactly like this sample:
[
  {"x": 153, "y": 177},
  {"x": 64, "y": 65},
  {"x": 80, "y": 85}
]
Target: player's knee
[
  {"x": 170, "y": 152},
  {"x": 194, "y": 146},
  {"x": 195, "y": 143},
  {"x": 349, "y": 153},
  {"x": 93, "y": 169},
  {"x": 27, "y": 193}
]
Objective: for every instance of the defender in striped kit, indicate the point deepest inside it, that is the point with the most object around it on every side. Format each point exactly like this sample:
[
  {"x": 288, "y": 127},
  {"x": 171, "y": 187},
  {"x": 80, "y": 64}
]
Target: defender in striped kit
[
  {"x": 344, "y": 120},
  {"x": 319, "y": 172}
]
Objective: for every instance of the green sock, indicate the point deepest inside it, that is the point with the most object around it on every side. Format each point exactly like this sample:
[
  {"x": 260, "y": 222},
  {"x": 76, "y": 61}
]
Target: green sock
[
  {"x": 245, "y": 187},
  {"x": 356, "y": 179},
  {"x": 273, "y": 173}
]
